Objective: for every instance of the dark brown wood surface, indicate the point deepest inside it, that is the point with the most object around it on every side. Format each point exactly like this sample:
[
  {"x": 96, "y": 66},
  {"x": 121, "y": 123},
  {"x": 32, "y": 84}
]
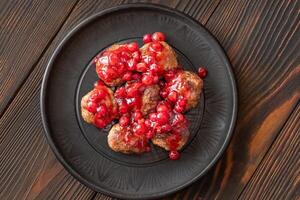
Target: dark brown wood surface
[
  {"x": 262, "y": 40},
  {"x": 277, "y": 177}
]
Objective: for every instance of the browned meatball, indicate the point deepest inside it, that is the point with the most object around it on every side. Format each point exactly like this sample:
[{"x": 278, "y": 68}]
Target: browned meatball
[
  {"x": 167, "y": 57},
  {"x": 108, "y": 73},
  {"x": 186, "y": 85},
  {"x": 162, "y": 140},
  {"x": 150, "y": 99},
  {"x": 99, "y": 107},
  {"x": 135, "y": 96},
  {"x": 122, "y": 139}
]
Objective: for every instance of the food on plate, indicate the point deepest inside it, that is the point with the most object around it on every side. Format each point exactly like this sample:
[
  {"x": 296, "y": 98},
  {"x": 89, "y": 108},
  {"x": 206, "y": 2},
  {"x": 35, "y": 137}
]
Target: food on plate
[
  {"x": 149, "y": 95},
  {"x": 134, "y": 95},
  {"x": 162, "y": 52},
  {"x": 115, "y": 61},
  {"x": 98, "y": 106},
  {"x": 123, "y": 139},
  {"x": 183, "y": 88},
  {"x": 202, "y": 72}
]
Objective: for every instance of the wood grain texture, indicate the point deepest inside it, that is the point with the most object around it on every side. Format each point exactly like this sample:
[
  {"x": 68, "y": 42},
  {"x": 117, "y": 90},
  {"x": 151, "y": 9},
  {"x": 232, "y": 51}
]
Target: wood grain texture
[
  {"x": 100, "y": 196},
  {"x": 198, "y": 9},
  {"x": 261, "y": 39},
  {"x": 27, "y": 166},
  {"x": 26, "y": 29},
  {"x": 278, "y": 176}
]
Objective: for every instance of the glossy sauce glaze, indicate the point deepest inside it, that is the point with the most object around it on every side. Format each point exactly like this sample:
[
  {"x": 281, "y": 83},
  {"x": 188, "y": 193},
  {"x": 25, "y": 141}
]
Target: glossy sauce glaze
[
  {"x": 140, "y": 69},
  {"x": 101, "y": 104}
]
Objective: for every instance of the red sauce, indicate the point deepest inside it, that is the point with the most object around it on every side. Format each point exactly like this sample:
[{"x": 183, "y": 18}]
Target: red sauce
[
  {"x": 100, "y": 103},
  {"x": 126, "y": 64},
  {"x": 176, "y": 90}
]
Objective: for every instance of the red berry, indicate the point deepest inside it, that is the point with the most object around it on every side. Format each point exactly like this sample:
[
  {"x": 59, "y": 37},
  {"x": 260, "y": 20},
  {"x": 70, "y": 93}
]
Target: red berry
[
  {"x": 172, "y": 96},
  {"x": 148, "y": 123},
  {"x": 163, "y": 93},
  {"x": 162, "y": 117},
  {"x": 113, "y": 59},
  {"x": 178, "y": 108},
  {"x": 158, "y": 36},
  {"x": 148, "y": 79},
  {"x": 92, "y": 107},
  {"x": 125, "y": 55},
  {"x": 179, "y": 118},
  {"x": 202, "y": 72},
  {"x": 124, "y": 120},
  {"x": 140, "y": 129},
  {"x": 121, "y": 67},
  {"x": 133, "y": 46},
  {"x": 166, "y": 128},
  {"x": 111, "y": 73},
  {"x": 182, "y": 102},
  {"x": 98, "y": 83},
  {"x": 155, "y": 68},
  {"x": 148, "y": 59},
  {"x": 136, "y": 55},
  {"x": 98, "y": 95},
  {"x": 137, "y": 86},
  {"x": 157, "y": 128},
  {"x": 127, "y": 76},
  {"x": 102, "y": 110},
  {"x": 123, "y": 107},
  {"x": 137, "y": 115},
  {"x": 132, "y": 92},
  {"x": 155, "y": 79},
  {"x": 120, "y": 92},
  {"x": 100, "y": 123},
  {"x": 147, "y": 38},
  {"x": 141, "y": 67},
  {"x": 150, "y": 134},
  {"x": 156, "y": 46},
  {"x": 180, "y": 105},
  {"x": 162, "y": 108},
  {"x": 131, "y": 64},
  {"x": 174, "y": 155},
  {"x": 152, "y": 117}
]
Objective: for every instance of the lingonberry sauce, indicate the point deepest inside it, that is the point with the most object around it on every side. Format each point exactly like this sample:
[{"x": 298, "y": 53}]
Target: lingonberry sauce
[
  {"x": 100, "y": 103},
  {"x": 125, "y": 63}
]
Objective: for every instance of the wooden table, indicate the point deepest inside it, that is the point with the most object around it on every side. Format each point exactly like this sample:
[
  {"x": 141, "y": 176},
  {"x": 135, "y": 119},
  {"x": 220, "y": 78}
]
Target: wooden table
[{"x": 262, "y": 40}]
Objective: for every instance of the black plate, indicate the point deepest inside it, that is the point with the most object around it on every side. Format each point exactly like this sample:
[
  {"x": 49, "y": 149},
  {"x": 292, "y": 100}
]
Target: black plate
[{"x": 83, "y": 149}]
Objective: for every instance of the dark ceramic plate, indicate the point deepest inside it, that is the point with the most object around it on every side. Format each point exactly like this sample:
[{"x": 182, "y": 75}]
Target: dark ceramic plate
[{"x": 83, "y": 149}]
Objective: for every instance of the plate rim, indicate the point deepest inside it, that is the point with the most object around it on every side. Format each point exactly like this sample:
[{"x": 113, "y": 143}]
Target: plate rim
[{"x": 212, "y": 41}]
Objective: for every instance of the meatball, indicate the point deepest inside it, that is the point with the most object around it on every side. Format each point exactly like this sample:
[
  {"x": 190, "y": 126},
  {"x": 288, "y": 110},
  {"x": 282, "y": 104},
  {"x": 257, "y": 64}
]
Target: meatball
[
  {"x": 99, "y": 107},
  {"x": 122, "y": 139},
  {"x": 183, "y": 88},
  {"x": 111, "y": 65},
  {"x": 136, "y": 96},
  {"x": 150, "y": 99},
  {"x": 165, "y": 55},
  {"x": 172, "y": 132},
  {"x": 164, "y": 140}
]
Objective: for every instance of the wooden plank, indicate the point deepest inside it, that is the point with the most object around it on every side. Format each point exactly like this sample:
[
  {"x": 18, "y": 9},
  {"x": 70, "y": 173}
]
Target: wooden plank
[
  {"x": 262, "y": 41},
  {"x": 28, "y": 168},
  {"x": 278, "y": 176},
  {"x": 26, "y": 29},
  {"x": 100, "y": 196},
  {"x": 200, "y": 10}
]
